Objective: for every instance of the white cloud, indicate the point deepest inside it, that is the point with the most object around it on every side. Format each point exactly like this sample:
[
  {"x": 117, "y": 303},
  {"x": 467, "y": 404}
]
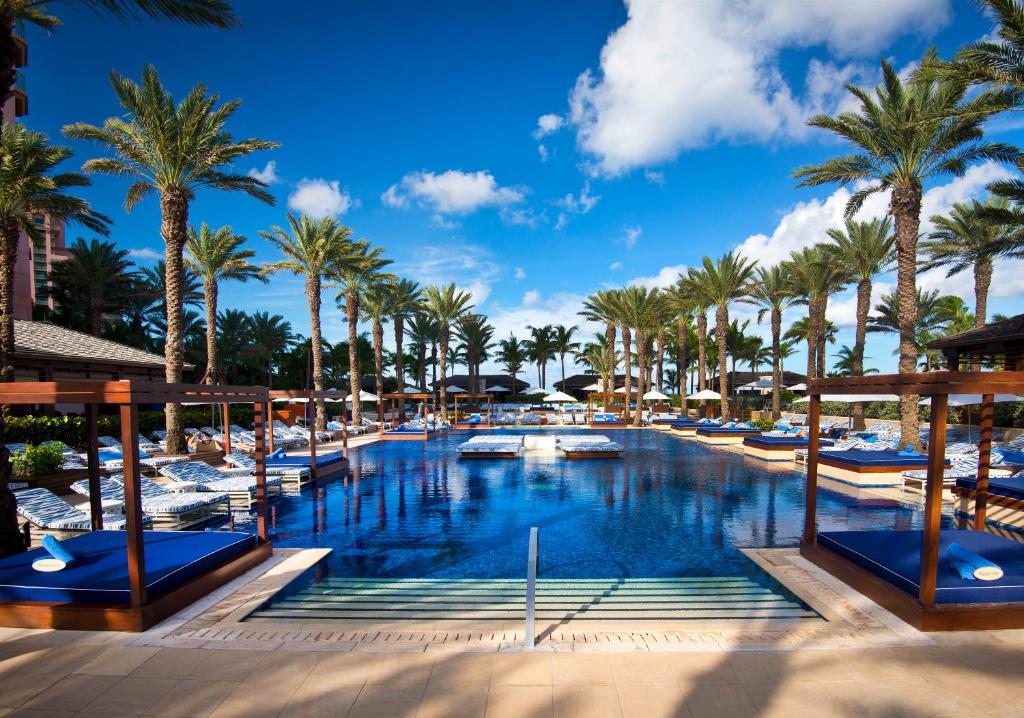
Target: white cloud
[
  {"x": 531, "y": 297},
  {"x": 678, "y": 75},
  {"x": 439, "y": 221},
  {"x": 519, "y": 216},
  {"x": 546, "y": 124},
  {"x": 520, "y": 273},
  {"x": 665, "y": 277},
  {"x": 543, "y": 152},
  {"x": 807, "y": 222},
  {"x": 653, "y": 177},
  {"x": 146, "y": 254},
  {"x": 470, "y": 266},
  {"x": 575, "y": 205},
  {"x": 615, "y": 266},
  {"x": 452, "y": 192},
  {"x": 320, "y": 198},
  {"x": 480, "y": 291},
  {"x": 557, "y": 308},
  {"x": 267, "y": 175},
  {"x": 631, "y": 235}
]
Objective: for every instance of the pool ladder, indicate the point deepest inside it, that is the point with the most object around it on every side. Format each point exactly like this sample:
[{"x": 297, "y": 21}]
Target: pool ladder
[{"x": 532, "y": 566}]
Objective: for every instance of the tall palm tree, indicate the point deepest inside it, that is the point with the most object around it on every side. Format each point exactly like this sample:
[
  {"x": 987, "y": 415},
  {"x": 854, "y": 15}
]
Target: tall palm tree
[
  {"x": 641, "y": 311},
  {"x": 310, "y": 248},
  {"x": 445, "y": 304},
  {"x": 513, "y": 355},
  {"x": 903, "y": 134},
  {"x": 29, "y": 186},
  {"x": 174, "y": 150},
  {"x": 846, "y": 363},
  {"x": 693, "y": 286},
  {"x": 722, "y": 282},
  {"x": 376, "y": 306},
  {"x": 404, "y": 304},
  {"x": 564, "y": 345},
  {"x": 355, "y": 272},
  {"x": 216, "y": 255},
  {"x": 37, "y": 12},
  {"x": 232, "y": 338},
  {"x": 772, "y": 293},
  {"x": 423, "y": 333},
  {"x": 681, "y": 305},
  {"x": 476, "y": 335},
  {"x": 930, "y": 312},
  {"x": 969, "y": 239},
  {"x": 866, "y": 250},
  {"x": 600, "y": 307},
  {"x": 271, "y": 337},
  {"x": 815, "y": 274},
  {"x": 542, "y": 350},
  {"x": 94, "y": 279}
]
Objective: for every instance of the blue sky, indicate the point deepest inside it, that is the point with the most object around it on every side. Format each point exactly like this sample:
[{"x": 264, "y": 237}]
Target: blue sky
[{"x": 532, "y": 152}]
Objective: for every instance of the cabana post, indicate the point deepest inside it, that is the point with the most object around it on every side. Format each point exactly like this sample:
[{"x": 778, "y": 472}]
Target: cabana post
[
  {"x": 396, "y": 433},
  {"x": 984, "y": 460},
  {"x": 311, "y": 397},
  {"x": 92, "y": 457},
  {"x": 933, "y": 500},
  {"x": 811, "y": 509},
  {"x": 465, "y": 424}
]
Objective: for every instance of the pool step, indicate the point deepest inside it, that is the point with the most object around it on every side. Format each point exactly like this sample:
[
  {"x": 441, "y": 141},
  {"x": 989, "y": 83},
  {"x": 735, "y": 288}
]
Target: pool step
[{"x": 693, "y": 598}]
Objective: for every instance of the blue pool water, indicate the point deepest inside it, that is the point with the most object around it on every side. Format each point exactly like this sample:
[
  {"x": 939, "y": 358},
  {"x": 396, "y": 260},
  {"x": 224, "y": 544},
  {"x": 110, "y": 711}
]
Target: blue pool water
[{"x": 668, "y": 508}]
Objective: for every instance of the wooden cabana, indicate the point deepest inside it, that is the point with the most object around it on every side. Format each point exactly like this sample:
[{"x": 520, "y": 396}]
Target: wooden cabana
[
  {"x": 309, "y": 398},
  {"x": 399, "y": 433},
  {"x": 186, "y": 565},
  {"x": 904, "y": 571},
  {"x": 467, "y": 398},
  {"x": 997, "y": 344},
  {"x": 592, "y": 410}
]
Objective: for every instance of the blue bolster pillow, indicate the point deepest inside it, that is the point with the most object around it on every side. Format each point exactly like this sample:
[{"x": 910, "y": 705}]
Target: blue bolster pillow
[
  {"x": 59, "y": 557},
  {"x": 276, "y": 453},
  {"x": 871, "y": 439},
  {"x": 970, "y": 565}
]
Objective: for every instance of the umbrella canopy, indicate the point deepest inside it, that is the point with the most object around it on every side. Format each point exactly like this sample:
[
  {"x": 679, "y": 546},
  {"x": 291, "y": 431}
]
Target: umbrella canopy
[
  {"x": 559, "y": 396},
  {"x": 797, "y": 387},
  {"x": 455, "y": 390},
  {"x": 363, "y": 396},
  {"x": 300, "y": 400},
  {"x": 851, "y": 398},
  {"x": 411, "y": 390},
  {"x": 655, "y": 395},
  {"x": 758, "y": 385},
  {"x": 497, "y": 389},
  {"x": 536, "y": 390},
  {"x": 622, "y": 390},
  {"x": 592, "y": 387},
  {"x": 704, "y": 395},
  {"x": 968, "y": 399}
]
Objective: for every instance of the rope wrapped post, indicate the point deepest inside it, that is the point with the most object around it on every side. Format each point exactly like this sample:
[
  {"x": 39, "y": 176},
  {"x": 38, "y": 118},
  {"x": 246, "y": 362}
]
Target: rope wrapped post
[
  {"x": 933, "y": 500},
  {"x": 984, "y": 461},
  {"x": 133, "y": 504},
  {"x": 260, "y": 410},
  {"x": 813, "y": 443}
]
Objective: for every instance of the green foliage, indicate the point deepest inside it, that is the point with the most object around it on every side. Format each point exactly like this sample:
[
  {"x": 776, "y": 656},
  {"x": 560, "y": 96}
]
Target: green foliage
[
  {"x": 765, "y": 423},
  {"x": 37, "y": 460}
]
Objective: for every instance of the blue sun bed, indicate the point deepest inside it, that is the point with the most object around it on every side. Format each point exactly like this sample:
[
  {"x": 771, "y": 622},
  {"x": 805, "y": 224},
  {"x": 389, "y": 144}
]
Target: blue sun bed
[
  {"x": 874, "y": 459},
  {"x": 707, "y": 430},
  {"x": 1011, "y": 487},
  {"x": 99, "y": 574},
  {"x": 277, "y": 465},
  {"x": 895, "y": 557},
  {"x": 793, "y": 442}
]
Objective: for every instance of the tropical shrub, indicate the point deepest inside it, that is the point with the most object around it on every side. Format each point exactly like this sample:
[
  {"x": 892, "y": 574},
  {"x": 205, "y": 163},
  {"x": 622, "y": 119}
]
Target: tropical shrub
[
  {"x": 764, "y": 423},
  {"x": 37, "y": 460}
]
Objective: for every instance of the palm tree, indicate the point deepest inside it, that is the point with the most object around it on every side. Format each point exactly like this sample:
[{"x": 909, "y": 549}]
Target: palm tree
[
  {"x": 446, "y": 304},
  {"x": 174, "y": 150},
  {"x": 693, "y": 285},
  {"x": 904, "y": 134},
  {"x": 564, "y": 345},
  {"x": 815, "y": 274},
  {"x": 376, "y": 307},
  {"x": 156, "y": 277},
  {"x": 356, "y": 271},
  {"x": 37, "y": 12},
  {"x": 232, "y": 339},
  {"x": 271, "y": 336},
  {"x": 641, "y": 311},
  {"x": 847, "y": 363},
  {"x": 969, "y": 239},
  {"x": 866, "y": 250},
  {"x": 513, "y": 355},
  {"x": 722, "y": 282},
  {"x": 216, "y": 255},
  {"x": 475, "y": 334},
  {"x": 95, "y": 278},
  {"x": 772, "y": 293},
  {"x": 404, "y": 304},
  {"x": 310, "y": 248},
  {"x": 542, "y": 350},
  {"x": 681, "y": 304},
  {"x": 929, "y": 312},
  {"x": 423, "y": 333},
  {"x": 600, "y": 307}
]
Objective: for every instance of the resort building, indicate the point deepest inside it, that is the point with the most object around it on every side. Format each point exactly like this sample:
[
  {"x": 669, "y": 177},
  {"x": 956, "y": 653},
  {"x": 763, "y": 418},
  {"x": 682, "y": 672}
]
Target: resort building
[
  {"x": 576, "y": 383},
  {"x": 485, "y": 382},
  {"x": 740, "y": 378},
  {"x": 999, "y": 344}
]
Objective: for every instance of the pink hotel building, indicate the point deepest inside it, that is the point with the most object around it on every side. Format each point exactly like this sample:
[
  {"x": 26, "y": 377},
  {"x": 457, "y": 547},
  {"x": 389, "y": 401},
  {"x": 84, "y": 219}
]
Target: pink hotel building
[{"x": 31, "y": 288}]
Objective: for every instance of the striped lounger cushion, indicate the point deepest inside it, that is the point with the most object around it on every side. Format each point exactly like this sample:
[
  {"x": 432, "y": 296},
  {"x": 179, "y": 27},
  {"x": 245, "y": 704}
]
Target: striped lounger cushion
[
  {"x": 48, "y": 511},
  {"x": 244, "y": 461},
  {"x": 208, "y": 478}
]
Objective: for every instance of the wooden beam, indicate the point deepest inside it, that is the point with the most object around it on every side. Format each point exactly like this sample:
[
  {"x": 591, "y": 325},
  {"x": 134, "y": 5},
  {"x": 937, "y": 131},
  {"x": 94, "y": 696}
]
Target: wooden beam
[
  {"x": 260, "y": 410},
  {"x": 933, "y": 500},
  {"x": 269, "y": 426},
  {"x": 984, "y": 460},
  {"x": 133, "y": 504},
  {"x": 92, "y": 458},
  {"x": 227, "y": 428},
  {"x": 811, "y": 500}
]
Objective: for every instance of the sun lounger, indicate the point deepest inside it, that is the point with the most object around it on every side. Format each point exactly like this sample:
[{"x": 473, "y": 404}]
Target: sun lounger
[
  {"x": 297, "y": 474},
  {"x": 167, "y": 509},
  {"x": 236, "y": 482},
  {"x": 49, "y": 512},
  {"x": 573, "y": 446}
]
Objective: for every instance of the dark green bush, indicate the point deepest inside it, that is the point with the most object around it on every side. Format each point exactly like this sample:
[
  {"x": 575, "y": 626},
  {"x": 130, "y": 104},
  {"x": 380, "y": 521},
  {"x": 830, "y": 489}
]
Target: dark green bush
[
  {"x": 37, "y": 461},
  {"x": 765, "y": 423}
]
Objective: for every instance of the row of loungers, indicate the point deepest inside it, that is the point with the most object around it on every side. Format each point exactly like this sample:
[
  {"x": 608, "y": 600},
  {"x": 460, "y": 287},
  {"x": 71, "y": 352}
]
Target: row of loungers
[
  {"x": 583, "y": 447},
  {"x": 167, "y": 509},
  {"x": 492, "y": 447}
]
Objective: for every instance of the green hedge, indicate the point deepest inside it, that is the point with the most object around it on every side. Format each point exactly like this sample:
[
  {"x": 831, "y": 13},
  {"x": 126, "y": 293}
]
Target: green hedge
[{"x": 71, "y": 429}]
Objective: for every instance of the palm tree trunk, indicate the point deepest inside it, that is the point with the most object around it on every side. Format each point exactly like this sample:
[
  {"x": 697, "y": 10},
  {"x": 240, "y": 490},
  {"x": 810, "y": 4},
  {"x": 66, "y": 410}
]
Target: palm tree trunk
[
  {"x": 627, "y": 361},
  {"x": 641, "y": 363},
  {"x": 316, "y": 344},
  {"x": 982, "y": 281},
  {"x": 702, "y": 353},
  {"x": 210, "y": 300},
  {"x": 812, "y": 339},
  {"x": 660, "y": 344},
  {"x": 905, "y": 207},
  {"x": 443, "y": 389},
  {"x": 561, "y": 357},
  {"x": 433, "y": 362},
  {"x": 821, "y": 354},
  {"x": 8, "y": 57},
  {"x": 422, "y": 356},
  {"x": 378, "y": 360},
  {"x": 354, "y": 377},
  {"x": 400, "y": 362},
  {"x": 609, "y": 350},
  {"x": 683, "y": 336},
  {"x": 860, "y": 338},
  {"x": 10, "y": 538},
  {"x": 776, "y": 364},
  {"x": 173, "y": 225},
  {"x": 721, "y": 323}
]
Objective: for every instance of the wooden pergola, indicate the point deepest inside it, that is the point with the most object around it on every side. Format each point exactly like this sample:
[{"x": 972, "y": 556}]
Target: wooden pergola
[
  {"x": 309, "y": 397},
  {"x": 396, "y": 399},
  {"x": 922, "y": 610},
  {"x": 128, "y": 395},
  {"x": 601, "y": 396},
  {"x": 465, "y": 425}
]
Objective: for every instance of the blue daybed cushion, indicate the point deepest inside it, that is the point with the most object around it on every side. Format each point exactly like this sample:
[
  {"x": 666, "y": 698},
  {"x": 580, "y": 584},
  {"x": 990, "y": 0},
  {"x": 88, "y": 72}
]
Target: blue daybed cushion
[
  {"x": 895, "y": 556},
  {"x": 1010, "y": 487},
  {"x": 407, "y": 430},
  {"x": 853, "y": 457},
  {"x": 727, "y": 430},
  {"x": 794, "y": 441},
  {"x": 322, "y": 460},
  {"x": 99, "y": 574}
]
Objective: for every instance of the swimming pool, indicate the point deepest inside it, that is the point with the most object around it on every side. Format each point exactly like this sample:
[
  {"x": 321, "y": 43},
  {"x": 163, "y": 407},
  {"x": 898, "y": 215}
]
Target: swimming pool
[{"x": 668, "y": 508}]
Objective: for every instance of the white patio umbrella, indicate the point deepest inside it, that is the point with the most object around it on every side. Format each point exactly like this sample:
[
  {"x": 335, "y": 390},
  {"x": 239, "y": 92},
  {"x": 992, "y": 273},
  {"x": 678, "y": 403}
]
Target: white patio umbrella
[
  {"x": 655, "y": 395},
  {"x": 497, "y": 389},
  {"x": 705, "y": 395},
  {"x": 970, "y": 399},
  {"x": 363, "y": 396},
  {"x": 535, "y": 390},
  {"x": 455, "y": 390},
  {"x": 411, "y": 390},
  {"x": 592, "y": 387},
  {"x": 797, "y": 387},
  {"x": 622, "y": 390},
  {"x": 759, "y": 385},
  {"x": 559, "y": 396},
  {"x": 851, "y": 398}
]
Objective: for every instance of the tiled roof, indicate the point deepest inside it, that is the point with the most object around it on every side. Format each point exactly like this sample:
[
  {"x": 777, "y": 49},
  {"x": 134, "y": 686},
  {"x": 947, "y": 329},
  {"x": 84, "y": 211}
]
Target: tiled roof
[
  {"x": 41, "y": 340},
  {"x": 1007, "y": 330}
]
